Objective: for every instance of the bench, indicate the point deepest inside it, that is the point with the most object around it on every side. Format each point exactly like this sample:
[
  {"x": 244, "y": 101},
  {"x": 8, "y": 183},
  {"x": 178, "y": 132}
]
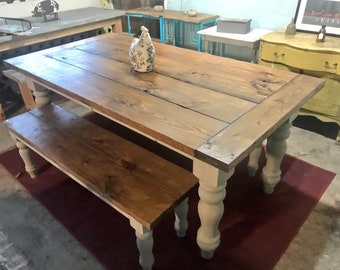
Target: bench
[{"x": 136, "y": 182}]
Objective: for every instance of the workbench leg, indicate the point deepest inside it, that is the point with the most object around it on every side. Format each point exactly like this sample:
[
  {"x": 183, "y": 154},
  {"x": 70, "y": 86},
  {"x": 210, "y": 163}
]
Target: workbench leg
[
  {"x": 275, "y": 150},
  {"x": 181, "y": 221},
  {"x": 212, "y": 191}
]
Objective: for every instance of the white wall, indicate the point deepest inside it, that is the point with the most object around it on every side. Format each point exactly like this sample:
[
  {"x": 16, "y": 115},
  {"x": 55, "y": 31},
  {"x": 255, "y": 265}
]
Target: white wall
[
  {"x": 24, "y": 9},
  {"x": 270, "y": 14}
]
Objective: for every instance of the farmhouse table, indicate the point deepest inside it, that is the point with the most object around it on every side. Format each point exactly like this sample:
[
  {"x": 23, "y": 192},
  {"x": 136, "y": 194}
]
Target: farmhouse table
[{"x": 212, "y": 109}]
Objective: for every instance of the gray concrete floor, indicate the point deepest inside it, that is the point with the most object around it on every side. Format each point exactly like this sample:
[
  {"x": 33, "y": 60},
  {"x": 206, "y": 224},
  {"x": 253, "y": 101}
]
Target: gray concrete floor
[{"x": 30, "y": 238}]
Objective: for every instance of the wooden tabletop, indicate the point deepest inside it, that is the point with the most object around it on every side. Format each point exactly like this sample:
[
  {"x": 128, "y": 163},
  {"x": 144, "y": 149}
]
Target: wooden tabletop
[
  {"x": 174, "y": 15},
  {"x": 212, "y": 108}
]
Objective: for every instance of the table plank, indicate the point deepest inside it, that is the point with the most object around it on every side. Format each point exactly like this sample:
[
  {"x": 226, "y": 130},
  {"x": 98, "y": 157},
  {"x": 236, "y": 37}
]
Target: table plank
[
  {"x": 251, "y": 82},
  {"x": 178, "y": 92},
  {"x": 229, "y": 147},
  {"x": 167, "y": 122}
]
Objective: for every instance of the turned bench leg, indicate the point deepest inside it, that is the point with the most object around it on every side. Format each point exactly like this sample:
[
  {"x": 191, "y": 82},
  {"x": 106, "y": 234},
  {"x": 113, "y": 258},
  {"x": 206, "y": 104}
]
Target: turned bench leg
[
  {"x": 144, "y": 237},
  {"x": 145, "y": 245},
  {"x": 25, "y": 154},
  {"x": 181, "y": 221},
  {"x": 144, "y": 242}
]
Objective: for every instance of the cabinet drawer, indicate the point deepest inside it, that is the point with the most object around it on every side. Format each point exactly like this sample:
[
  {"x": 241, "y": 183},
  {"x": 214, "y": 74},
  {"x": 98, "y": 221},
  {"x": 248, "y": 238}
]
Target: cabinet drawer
[
  {"x": 263, "y": 62},
  {"x": 327, "y": 101},
  {"x": 299, "y": 58}
]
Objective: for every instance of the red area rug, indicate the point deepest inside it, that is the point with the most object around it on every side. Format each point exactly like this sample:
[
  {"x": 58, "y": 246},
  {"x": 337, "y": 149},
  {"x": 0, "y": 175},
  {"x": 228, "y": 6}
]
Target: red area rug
[{"x": 256, "y": 228}]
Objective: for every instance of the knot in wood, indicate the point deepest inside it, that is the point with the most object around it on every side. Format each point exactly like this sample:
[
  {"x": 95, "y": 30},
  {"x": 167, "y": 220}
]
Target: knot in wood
[{"x": 262, "y": 86}]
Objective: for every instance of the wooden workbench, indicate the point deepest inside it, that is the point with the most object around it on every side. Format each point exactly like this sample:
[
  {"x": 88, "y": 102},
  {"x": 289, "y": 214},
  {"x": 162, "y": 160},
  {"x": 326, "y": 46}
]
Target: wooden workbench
[{"x": 70, "y": 22}]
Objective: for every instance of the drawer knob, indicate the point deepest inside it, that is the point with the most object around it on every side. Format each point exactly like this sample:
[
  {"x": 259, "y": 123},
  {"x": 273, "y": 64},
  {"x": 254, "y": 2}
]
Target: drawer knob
[
  {"x": 328, "y": 66},
  {"x": 276, "y": 54}
]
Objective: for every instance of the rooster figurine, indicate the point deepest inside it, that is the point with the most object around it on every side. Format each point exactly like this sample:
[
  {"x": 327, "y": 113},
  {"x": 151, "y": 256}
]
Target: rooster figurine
[{"x": 142, "y": 52}]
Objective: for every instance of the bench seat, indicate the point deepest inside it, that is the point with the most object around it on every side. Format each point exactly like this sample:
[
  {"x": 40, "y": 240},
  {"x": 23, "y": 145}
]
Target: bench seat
[{"x": 136, "y": 182}]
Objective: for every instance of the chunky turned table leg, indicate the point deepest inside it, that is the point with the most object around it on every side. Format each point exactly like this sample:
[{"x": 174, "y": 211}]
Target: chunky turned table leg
[
  {"x": 253, "y": 163},
  {"x": 275, "y": 150},
  {"x": 41, "y": 96},
  {"x": 181, "y": 221},
  {"x": 25, "y": 154},
  {"x": 210, "y": 207},
  {"x": 40, "y": 93}
]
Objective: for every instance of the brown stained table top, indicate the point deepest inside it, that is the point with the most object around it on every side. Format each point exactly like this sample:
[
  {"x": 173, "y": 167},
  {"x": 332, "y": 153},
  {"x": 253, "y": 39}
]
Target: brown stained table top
[{"x": 213, "y": 108}]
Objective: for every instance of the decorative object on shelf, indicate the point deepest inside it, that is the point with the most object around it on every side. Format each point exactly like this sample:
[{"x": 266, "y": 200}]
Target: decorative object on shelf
[
  {"x": 145, "y": 4},
  {"x": 109, "y": 5},
  {"x": 234, "y": 26},
  {"x": 44, "y": 8},
  {"x": 312, "y": 14},
  {"x": 321, "y": 34},
  {"x": 291, "y": 28},
  {"x": 158, "y": 8},
  {"x": 10, "y": 26},
  {"x": 181, "y": 6},
  {"x": 192, "y": 13},
  {"x": 142, "y": 52},
  {"x": 11, "y": 1},
  {"x": 106, "y": 4}
]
